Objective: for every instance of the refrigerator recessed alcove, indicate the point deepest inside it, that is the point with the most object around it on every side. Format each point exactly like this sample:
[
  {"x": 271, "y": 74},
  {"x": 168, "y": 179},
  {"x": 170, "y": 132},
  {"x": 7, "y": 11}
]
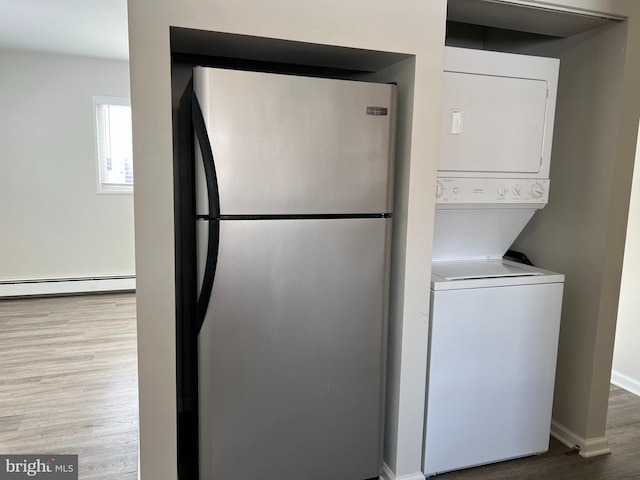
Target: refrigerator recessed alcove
[{"x": 190, "y": 48}]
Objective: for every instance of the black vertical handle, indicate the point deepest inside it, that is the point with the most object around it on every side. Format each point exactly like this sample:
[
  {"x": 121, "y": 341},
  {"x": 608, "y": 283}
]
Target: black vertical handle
[{"x": 213, "y": 195}]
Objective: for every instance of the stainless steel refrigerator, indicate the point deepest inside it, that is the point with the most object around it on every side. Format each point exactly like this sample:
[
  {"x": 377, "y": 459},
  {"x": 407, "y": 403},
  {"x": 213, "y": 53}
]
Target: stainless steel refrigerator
[{"x": 293, "y": 204}]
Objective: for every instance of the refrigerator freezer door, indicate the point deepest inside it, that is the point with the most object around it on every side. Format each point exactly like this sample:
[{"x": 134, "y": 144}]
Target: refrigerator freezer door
[
  {"x": 291, "y": 351},
  {"x": 491, "y": 374},
  {"x": 285, "y": 144}
]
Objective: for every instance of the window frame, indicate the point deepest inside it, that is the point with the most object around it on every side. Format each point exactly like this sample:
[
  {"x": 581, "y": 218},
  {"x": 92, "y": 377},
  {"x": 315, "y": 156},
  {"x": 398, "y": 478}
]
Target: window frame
[{"x": 104, "y": 187}]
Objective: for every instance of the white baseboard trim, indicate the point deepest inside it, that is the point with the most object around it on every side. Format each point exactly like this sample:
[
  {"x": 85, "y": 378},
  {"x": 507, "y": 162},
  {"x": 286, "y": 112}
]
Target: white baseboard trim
[
  {"x": 387, "y": 474},
  {"x": 67, "y": 286},
  {"x": 626, "y": 382},
  {"x": 589, "y": 447}
]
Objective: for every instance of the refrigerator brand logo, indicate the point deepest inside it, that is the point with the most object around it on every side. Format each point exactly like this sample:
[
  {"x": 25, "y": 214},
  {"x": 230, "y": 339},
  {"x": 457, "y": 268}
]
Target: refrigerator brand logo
[
  {"x": 378, "y": 111},
  {"x": 59, "y": 467}
]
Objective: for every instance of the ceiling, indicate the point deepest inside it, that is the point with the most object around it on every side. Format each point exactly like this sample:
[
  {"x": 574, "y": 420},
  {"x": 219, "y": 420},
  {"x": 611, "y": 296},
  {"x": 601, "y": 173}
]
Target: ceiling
[
  {"x": 98, "y": 28},
  {"x": 526, "y": 16},
  {"x": 95, "y": 28}
]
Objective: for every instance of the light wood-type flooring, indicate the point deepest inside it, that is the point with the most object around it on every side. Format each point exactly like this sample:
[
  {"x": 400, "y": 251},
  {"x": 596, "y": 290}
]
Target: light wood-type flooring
[
  {"x": 559, "y": 463},
  {"x": 68, "y": 381},
  {"x": 68, "y": 384}
]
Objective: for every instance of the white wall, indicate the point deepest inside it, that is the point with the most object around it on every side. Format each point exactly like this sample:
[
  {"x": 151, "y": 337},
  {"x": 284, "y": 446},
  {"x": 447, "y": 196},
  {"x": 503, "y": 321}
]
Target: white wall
[
  {"x": 626, "y": 354},
  {"x": 54, "y": 224}
]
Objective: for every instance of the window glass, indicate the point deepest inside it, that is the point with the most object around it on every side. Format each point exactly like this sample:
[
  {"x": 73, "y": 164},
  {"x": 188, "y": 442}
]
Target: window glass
[{"x": 114, "y": 144}]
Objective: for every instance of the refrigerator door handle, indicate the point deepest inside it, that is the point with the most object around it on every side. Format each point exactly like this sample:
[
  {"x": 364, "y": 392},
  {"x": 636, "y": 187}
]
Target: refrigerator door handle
[
  {"x": 211, "y": 262},
  {"x": 200, "y": 131}
]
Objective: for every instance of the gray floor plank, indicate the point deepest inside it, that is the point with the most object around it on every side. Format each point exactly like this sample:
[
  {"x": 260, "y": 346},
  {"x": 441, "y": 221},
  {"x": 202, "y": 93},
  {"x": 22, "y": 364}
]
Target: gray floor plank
[{"x": 68, "y": 381}]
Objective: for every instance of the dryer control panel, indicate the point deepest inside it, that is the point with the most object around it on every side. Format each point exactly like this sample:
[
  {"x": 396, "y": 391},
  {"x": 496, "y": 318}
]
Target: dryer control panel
[{"x": 498, "y": 191}]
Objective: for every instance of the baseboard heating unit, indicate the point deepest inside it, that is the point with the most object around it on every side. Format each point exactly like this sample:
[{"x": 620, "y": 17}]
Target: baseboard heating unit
[{"x": 66, "y": 286}]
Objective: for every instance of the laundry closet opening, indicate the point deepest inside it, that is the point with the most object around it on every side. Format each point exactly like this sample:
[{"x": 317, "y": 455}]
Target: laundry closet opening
[{"x": 577, "y": 233}]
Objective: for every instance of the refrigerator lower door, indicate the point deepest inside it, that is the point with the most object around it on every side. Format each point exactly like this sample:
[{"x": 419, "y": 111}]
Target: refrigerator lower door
[{"x": 292, "y": 351}]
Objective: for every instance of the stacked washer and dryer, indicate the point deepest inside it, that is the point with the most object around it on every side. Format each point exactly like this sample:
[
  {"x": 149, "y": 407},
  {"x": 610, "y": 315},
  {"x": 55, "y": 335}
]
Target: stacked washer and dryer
[{"x": 494, "y": 323}]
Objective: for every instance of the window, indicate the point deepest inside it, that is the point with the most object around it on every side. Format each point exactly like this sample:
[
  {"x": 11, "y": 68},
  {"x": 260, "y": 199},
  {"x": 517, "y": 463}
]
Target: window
[{"x": 114, "y": 145}]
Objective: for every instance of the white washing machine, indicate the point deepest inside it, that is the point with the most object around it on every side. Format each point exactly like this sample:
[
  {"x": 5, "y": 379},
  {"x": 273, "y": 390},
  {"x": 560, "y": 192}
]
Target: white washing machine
[
  {"x": 494, "y": 324},
  {"x": 493, "y": 343}
]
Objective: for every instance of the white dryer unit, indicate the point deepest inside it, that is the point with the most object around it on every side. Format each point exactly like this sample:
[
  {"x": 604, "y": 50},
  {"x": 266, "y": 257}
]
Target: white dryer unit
[
  {"x": 497, "y": 114},
  {"x": 495, "y": 150}
]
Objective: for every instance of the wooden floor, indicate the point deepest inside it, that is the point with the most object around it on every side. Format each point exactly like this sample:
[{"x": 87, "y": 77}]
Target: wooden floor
[
  {"x": 68, "y": 381},
  {"x": 68, "y": 384},
  {"x": 559, "y": 463}
]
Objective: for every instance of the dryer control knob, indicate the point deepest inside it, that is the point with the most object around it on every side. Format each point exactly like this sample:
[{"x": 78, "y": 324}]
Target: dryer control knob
[
  {"x": 516, "y": 190},
  {"x": 502, "y": 191},
  {"x": 537, "y": 190},
  {"x": 439, "y": 189}
]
